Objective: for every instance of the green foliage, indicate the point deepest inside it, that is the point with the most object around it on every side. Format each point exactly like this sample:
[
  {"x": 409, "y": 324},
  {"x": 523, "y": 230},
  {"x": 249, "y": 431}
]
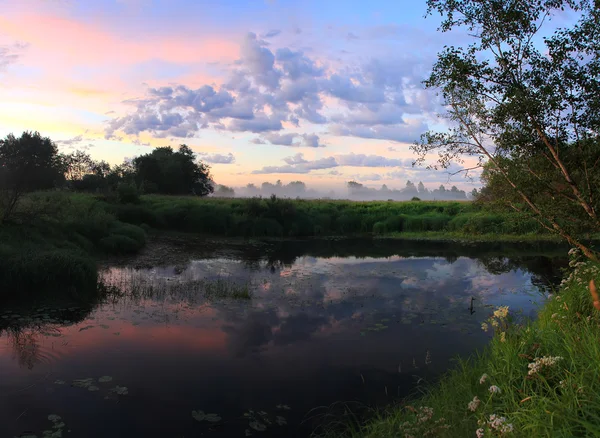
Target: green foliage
[
  {"x": 274, "y": 217},
  {"x": 166, "y": 171},
  {"x": 535, "y": 100},
  {"x": 28, "y": 163},
  {"x": 128, "y": 193}
]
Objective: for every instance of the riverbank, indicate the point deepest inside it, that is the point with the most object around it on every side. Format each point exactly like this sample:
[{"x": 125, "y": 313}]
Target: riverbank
[
  {"x": 540, "y": 378},
  {"x": 55, "y": 238}
]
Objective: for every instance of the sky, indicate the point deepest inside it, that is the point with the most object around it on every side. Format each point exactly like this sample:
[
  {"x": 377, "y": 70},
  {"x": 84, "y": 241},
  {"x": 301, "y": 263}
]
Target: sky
[{"x": 318, "y": 91}]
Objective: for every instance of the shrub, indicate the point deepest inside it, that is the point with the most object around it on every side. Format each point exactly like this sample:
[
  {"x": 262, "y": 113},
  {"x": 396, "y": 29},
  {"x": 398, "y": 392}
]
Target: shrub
[
  {"x": 128, "y": 193},
  {"x": 415, "y": 198}
]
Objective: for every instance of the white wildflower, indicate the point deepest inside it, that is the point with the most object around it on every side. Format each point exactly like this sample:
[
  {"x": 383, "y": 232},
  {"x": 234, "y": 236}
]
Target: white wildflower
[
  {"x": 483, "y": 378},
  {"x": 541, "y": 362},
  {"x": 495, "y": 390},
  {"x": 485, "y": 327},
  {"x": 503, "y": 337},
  {"x": 474, "y": 404},
  {"x": 495, "y": 323},
  {"x": 499, "y": 423},
  {"x": 479, "y": 433}
]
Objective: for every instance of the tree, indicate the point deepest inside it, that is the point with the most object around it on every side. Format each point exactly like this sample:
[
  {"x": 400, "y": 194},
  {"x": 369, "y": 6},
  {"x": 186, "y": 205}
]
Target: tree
[
  {"x": 520, "y": 106},
  {"x": 77, "y": 165},
  {"x": 421, "y": 189},
  {"x": 175, "y": 173},
  {"x": 28, "y": 163},
  {"x": 224, "y": 191}
]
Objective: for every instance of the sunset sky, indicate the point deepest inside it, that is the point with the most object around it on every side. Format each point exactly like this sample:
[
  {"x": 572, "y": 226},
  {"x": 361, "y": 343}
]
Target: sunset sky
[{"x": 318, "y": 91}]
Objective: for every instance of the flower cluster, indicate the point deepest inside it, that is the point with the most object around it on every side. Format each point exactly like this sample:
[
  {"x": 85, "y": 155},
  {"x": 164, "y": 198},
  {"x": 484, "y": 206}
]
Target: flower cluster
[
  {"x": 499, "y": 424},
  {"x": 479, "y": 433},
  {"x": 474, "y": 404},
  {"x": 498, "y": 320},
  {"x": 542, "y": 362},
  {"x": 424, "y": 414},
  {"x": 495, "y": 390},
  {"x": 501, "y": 312},
  {"x": 483, "y": 378}
]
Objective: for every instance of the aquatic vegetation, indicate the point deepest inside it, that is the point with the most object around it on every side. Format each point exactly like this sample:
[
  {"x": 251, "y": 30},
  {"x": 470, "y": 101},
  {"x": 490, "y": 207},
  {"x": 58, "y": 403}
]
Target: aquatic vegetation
[
  {"x": 201, "y": 416},
  {"x": 105, "y": 379},
  {"x": 120, "y": 390}
]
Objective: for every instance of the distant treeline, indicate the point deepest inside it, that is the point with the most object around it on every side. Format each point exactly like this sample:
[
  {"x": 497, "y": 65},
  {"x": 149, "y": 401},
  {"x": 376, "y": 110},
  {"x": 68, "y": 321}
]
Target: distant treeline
[{"x": 355, "y": 191}]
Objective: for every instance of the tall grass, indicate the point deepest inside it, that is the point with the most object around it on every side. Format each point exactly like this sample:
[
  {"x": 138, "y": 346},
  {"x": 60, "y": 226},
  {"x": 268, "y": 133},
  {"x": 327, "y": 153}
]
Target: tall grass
[
  {"x": 502, "y": 391},
  {"x": 51, "y": 246},
  {"x": 274, "y": 217}
]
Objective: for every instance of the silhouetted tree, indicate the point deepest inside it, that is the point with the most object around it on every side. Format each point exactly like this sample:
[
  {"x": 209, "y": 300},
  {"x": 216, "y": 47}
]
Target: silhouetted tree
[
  {"x": 28, "y": 163},
  {"x": 175, "y": 173}
]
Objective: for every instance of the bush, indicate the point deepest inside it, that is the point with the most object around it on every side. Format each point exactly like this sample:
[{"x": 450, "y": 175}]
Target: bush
[
  {"x": 415, "y": 198},
  {"x": 128, "y": 193}
]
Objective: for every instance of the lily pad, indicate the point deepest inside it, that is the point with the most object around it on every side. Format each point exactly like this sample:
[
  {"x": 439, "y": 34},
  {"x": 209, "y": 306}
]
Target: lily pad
[
  {"x": 54, "y": 417},
  {"x": 59, "y": 382},
  {"x": 83, "y": 383},
  {"x": 257, "y": 426},
  {"x": 201, "y": 416},
  {"x": 120, "y": 390},
  {"x": 93, "y": 388},
  {"x": 87, "y": 327},
  {"x": 104, "y": 379},
  {"x": 280, "y": 420}
]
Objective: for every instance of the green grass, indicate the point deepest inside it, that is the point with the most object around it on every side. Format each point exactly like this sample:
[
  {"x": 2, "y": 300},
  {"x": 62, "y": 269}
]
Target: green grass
[
  {"x": 454, "y": 236},
  {"x": 51, "y": 246},
  {"x": 283, "y": 218},
  {"x": 562, "y": 400}
]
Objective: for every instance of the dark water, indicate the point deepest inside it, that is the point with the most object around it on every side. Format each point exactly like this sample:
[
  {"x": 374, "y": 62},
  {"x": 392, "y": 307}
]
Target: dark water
[{"x": 347, "y": 321}]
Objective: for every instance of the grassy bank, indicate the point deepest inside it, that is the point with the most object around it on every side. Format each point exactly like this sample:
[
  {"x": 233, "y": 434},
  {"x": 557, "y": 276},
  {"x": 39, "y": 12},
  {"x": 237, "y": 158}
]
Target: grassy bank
[
  {"x": 52, "y": 244},
  {"x": 54, "y": 238},
  {"x": 275, "y": 217},
  {"x": 537, "y": 379}
]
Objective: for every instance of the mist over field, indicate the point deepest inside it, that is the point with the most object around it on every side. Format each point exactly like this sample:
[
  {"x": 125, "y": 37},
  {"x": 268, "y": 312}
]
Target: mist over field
[{"x": 353, "y": 191}]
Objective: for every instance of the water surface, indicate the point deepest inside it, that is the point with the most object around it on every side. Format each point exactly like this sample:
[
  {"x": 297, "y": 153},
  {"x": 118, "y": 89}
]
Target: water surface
[{"x": 329, "y": 321}]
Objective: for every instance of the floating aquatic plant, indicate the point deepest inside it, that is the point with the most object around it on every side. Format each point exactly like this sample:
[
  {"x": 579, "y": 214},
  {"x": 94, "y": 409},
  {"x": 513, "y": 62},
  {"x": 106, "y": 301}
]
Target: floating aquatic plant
[
  {"x": 83, "y": 383},
  {"x": 201, "y": 416},
  {"x": 120, "y": 390},
  {"x": 105, "y": 379},
  {"x": 257, "y": 426}
]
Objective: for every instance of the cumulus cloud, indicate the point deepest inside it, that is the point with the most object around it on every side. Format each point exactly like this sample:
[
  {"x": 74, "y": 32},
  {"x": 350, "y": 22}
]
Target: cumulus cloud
[
  {"x": 298, "y": 164},
  {"x": 362, "y": 160},
  {"x": 296, "y": 159},
  {"x": 217, "y": 158},
  {"x": 304, "y": 167},
  {"x": 272, "y": 33},
  {"x": 293, "y": 139},
  {"x": 70, "y": 141},
  {"x": 266, "y": 89}
]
